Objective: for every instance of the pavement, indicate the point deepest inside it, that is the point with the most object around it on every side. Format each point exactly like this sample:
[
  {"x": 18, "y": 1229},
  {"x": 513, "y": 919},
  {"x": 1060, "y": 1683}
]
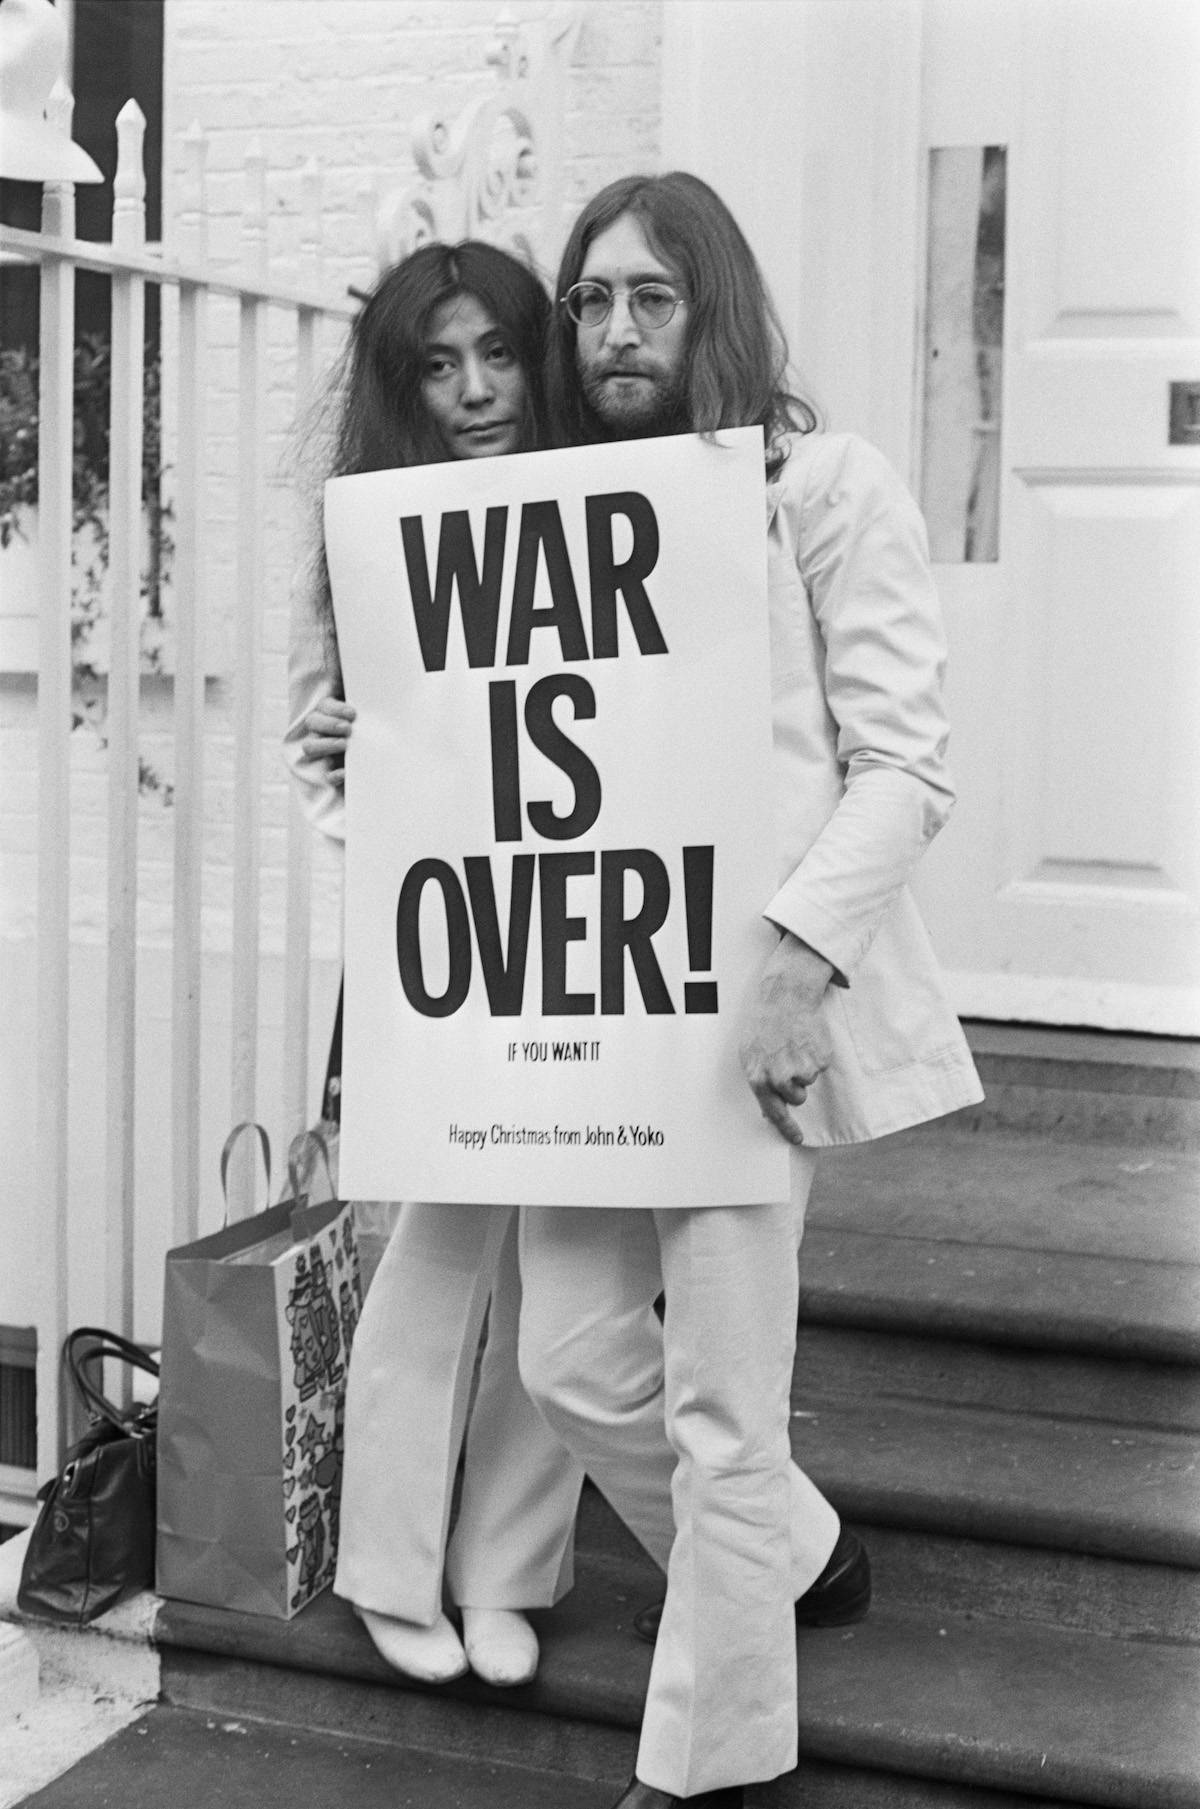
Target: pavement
[{"x": 63, "y": 1727}]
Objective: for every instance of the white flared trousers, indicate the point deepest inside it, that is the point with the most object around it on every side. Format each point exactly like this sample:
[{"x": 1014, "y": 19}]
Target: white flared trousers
[
  {"x": 406, "y": 1407},
  {"x": 693, "y": 1453}
]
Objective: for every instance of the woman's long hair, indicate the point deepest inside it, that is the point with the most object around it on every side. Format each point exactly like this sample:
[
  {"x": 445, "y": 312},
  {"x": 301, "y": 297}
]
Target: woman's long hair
[
  {"x": 372, "y": 416},
  {"x": 735, "y": 356}
]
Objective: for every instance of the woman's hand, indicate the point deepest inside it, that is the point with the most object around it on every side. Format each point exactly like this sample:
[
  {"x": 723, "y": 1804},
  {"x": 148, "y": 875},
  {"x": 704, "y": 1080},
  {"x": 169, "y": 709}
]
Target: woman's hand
[
  {"x": 786, "y": 1042},
  {"x": 326, "y": 732}
]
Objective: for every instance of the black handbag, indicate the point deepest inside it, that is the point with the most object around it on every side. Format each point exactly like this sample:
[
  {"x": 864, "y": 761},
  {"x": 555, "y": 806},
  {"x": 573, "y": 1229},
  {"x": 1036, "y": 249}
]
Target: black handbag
[{"x": 93, "y": 1541}]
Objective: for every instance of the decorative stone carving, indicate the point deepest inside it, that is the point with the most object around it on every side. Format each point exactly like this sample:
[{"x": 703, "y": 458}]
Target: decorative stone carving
[{"x": 494, "y": 171}]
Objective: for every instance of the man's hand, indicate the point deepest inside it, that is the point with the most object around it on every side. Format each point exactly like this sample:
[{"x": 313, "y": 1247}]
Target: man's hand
[
  {"x": 326, "y": 732},
  {"x": 786, "y": 1043}
]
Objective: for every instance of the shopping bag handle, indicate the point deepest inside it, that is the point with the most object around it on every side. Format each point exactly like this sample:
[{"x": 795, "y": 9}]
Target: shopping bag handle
[
  {"x": 299, "y": 1147},
  {"x": 247, "y": 1124},
  {"x": 100, "y": 1344}
]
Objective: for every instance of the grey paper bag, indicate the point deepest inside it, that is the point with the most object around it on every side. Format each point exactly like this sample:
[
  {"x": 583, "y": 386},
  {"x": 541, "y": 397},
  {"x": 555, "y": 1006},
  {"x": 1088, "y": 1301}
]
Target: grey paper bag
[{"x": 257, "y": 1324}]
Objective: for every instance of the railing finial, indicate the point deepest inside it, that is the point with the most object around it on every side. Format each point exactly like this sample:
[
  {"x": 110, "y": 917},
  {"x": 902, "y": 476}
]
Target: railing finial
[
  {"x": 366, "y": 200},
  {"x": 129, "y": 183},
  {"x": 254, "y": 210},
  {"x": 58, "y": 195},
  {"x": 310, "y": 224},
  {"x": 193, "y": 211}
]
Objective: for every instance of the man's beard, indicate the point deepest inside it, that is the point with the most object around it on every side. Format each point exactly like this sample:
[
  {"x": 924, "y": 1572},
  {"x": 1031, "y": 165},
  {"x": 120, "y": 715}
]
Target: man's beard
[{"x": 656, "y": 406}]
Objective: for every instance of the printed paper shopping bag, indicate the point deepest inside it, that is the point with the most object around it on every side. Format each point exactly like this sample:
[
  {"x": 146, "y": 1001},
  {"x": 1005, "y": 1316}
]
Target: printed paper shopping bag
[{"x": 257, "y": 1324}]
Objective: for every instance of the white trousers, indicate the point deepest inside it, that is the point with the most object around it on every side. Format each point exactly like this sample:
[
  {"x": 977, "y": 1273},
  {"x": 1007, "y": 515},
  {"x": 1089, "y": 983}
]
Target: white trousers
[
  {"x": 406, "y": 1407},
  {"x": 693, "y": 1453}
]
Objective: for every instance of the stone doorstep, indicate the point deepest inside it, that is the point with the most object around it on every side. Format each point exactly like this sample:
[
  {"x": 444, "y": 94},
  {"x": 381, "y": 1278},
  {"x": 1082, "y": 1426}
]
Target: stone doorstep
[
  {"x": 942, "y": 1573},
  {"x": 964, "y": 1558},
  {"x": 1085, "y": 1060},
  {"x": 569, "y": 1754},
  {"x": 1096, "y": 1746},
  {"x": 919, "y": 1363},
  {"x": 1002, "y": 1706},
  {"x": 1087, "y": 1486},
  {"x": 1089, "y": 1085},
  {"x": 934, "y": 1569},
  {"x": 997, "y": 1706},
  {"x": 181, "y": 1755},
  {"x": 211, "y": 1761},
  {"x": 1008, "y": 1191},
  {"x": 1009, "y": 1238},
  {"x": 1116, "y": 1308}
]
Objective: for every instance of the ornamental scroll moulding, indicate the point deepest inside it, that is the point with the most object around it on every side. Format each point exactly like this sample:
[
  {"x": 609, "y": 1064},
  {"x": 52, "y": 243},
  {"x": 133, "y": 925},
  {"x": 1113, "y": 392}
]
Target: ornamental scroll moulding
[{"x": 495, "y": 171}]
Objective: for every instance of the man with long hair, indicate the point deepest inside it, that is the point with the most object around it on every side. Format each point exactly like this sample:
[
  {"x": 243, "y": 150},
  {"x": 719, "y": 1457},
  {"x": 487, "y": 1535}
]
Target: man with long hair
[{"x": 663, "y": 325}]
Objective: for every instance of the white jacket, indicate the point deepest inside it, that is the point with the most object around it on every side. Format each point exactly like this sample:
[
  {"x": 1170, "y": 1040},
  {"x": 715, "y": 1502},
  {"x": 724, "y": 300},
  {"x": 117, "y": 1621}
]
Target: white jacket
[{"x": 861, "y": 786}]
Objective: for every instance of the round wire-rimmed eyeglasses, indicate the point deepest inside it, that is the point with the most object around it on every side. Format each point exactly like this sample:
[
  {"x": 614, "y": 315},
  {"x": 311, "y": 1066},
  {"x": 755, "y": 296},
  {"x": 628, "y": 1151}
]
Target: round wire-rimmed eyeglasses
[{"x": 651, "y": 305}]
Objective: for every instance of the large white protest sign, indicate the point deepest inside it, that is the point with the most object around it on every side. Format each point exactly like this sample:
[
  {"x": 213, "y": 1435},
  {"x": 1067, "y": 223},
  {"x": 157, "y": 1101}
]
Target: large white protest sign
[{"x": 559, "y": 825}]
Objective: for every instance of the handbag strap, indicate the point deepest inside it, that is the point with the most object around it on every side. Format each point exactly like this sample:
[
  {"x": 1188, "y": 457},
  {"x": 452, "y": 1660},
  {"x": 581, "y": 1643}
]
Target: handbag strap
[
  {"x": 91, "y": 1344},
  {"x": 264, "y": 1143}
]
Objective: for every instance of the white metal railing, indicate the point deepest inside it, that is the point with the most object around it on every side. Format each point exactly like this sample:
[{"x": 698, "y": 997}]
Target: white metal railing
[
  {"x": 130, "y": 268},
  {"x": 494, "y": 172}
]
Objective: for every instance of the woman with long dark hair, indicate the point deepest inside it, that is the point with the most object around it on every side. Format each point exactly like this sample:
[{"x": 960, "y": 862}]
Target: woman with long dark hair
[{"x": 444, "y": 362}]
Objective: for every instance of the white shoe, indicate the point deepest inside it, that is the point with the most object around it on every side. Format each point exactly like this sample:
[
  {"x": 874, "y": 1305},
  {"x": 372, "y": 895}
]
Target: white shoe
[
  {"x": 430, "y": 1654},
  {"x": 501, "y": 1645}
]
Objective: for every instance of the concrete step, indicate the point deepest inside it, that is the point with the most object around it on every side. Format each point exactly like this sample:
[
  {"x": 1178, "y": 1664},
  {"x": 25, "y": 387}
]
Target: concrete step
[
  {"x": 174, "y": 1755},
  {"x": 935, "y": 1570},
  {"x": 846, "y": 1360},
  {"x": 212, "y": 1762},
  {"x": 1007, "y": 1296},
  {"x": 1009, "y": 1238},
  {"x": 989, "y": 1705},
  {"x": 1000, "y": 1483},
  {"x": 1016, "y": 1192},
  {"x": 997, "y": 1381},
  {"x": 942, "y": 1573},
  {"x": 1086, "y": 1486},
  {"x": 1085, "y": 1084}
]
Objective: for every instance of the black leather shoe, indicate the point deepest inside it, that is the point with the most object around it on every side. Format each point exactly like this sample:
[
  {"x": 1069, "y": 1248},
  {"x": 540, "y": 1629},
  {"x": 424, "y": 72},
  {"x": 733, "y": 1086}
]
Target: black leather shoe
[
  {"x": 841, "y": 1594},
  {"x": 637, "y": 1795}
]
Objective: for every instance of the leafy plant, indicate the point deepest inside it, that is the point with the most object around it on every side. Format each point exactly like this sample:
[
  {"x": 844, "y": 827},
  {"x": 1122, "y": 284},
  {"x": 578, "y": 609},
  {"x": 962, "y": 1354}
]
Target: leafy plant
[{"x": 89, "y": 511}]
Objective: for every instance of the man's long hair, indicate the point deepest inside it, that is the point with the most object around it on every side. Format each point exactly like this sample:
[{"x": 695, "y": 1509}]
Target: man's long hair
[
  {"x": 735, "y": 354},
  {"x": 372, "y": 416}
]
